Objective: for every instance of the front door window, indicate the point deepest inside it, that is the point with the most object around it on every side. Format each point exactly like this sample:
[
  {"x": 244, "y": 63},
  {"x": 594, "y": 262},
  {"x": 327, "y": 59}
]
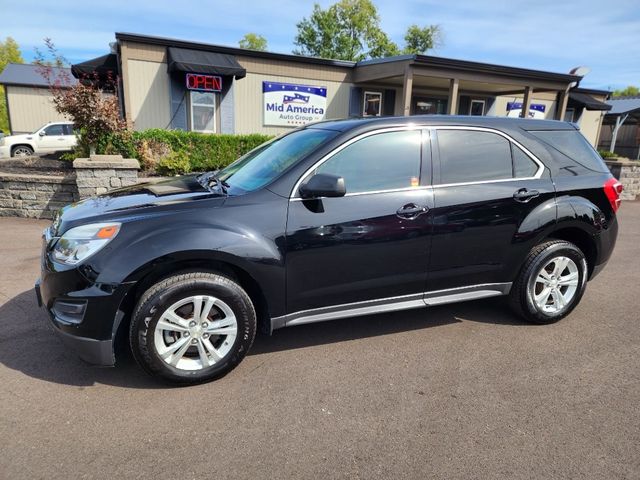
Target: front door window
[
  {"x": 203, "y": 108},
  {"x": 429, "y": 106}
]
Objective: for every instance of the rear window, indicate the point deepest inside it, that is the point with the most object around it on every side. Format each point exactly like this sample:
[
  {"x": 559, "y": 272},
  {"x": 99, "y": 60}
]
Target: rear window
[{"x": 572, "y": 144}]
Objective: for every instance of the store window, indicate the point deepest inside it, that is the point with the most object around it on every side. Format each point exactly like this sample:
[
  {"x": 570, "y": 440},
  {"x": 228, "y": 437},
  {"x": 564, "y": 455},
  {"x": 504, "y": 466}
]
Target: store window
[
  {"x": 372, "y": 104},
  {"x": 477, "y": 108},
  {"x": 569, "y": 115},
  {"x": 203, "y": 109},
  {"x": 429, "y": 106}
]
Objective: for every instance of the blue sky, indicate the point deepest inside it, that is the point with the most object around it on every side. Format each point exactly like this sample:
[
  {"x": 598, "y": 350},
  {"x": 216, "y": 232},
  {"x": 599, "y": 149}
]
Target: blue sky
[{"x": 554, "y": 35}]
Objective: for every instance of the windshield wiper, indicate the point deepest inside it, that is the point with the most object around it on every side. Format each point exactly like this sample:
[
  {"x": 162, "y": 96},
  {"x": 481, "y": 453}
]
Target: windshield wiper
[{"x": 210, "y": 180}]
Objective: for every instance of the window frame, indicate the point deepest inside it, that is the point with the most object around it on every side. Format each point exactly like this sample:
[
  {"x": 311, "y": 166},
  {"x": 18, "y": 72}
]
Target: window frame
[
  {"x": 477, "y": 100},
  {"x": 426, "y": 164},
  {"x": 213, "y": 106},
  {"x": 364, "y": 103},
  {"x": 435, "y": 153}
]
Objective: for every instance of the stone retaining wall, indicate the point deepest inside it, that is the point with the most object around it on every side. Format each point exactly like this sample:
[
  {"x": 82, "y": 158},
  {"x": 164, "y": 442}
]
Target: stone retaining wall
[
  {"x": 101, "y": 173},
  {"x": 628, "y": 172},
  {"x": 35, "y": 195}
]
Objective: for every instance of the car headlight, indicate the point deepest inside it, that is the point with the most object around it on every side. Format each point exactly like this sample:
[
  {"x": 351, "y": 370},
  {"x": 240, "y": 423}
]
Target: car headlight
[{"x": 80, "y": 243}]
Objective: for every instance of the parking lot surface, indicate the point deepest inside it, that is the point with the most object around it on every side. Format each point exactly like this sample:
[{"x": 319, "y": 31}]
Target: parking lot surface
[{"x": 458, "y": 391}]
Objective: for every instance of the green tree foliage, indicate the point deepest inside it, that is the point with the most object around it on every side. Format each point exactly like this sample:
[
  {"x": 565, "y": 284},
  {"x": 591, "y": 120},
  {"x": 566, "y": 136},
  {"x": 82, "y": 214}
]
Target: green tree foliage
[
  {"x": 9, "y": 53},
  {"x": 253, "y": 41},
  {"x": 630, "y": 91},
  {"x": 350, "y": 30},
  {"x": 420, "y": 40}
]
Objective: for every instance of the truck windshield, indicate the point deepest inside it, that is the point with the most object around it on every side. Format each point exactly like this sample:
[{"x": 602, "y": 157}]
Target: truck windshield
[{"x": 263, "y": 164}]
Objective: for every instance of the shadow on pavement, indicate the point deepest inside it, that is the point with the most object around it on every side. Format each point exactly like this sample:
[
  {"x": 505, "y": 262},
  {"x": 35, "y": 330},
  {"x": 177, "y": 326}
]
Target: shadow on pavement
[{"x": 28, "y": 344}]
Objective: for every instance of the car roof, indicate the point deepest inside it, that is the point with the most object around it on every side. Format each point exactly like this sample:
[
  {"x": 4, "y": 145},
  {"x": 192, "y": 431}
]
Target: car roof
[{"x": 452, "y": 120}]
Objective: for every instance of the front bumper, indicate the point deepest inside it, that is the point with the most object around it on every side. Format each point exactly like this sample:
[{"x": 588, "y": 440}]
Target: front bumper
[
  {"x": 92, "y": 338},
  {"x": 5, "y": 151}
]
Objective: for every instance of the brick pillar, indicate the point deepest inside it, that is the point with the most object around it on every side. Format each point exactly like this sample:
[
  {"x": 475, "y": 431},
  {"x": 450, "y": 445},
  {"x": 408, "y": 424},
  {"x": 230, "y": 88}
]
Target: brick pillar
[{"x": 101, "y": 173}]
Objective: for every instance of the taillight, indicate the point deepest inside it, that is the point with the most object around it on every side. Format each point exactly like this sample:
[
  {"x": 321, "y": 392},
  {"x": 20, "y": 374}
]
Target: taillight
[{"x": 612, "y": 189}]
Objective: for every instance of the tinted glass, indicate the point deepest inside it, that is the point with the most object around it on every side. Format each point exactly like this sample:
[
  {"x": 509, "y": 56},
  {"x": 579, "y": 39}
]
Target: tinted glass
[
  {"x": 55, "y": 130},
  {"x": 263, "y": 164},
  {"x": 523, "y": 166},
  {"x": 572, "y": 144},
  {"x": 386, "y": 161},
  {"x": 472, "y": 156},
  {"x": 68, "y": 129}
]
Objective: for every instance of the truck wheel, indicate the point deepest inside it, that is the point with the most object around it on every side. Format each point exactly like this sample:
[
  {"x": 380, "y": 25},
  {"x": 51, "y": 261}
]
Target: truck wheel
[
  {"x": 551, "y": 282},
  {"x": 22, "y": 151},
  {"x": 192, "y": 327}
]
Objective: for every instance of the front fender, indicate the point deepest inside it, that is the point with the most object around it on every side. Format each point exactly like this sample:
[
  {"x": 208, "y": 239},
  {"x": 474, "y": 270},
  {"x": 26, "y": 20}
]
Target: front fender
[{"x": 143, "y": 250}]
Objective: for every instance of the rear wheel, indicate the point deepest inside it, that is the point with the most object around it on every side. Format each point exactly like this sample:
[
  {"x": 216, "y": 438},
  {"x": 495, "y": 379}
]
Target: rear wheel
[
  {"x": 22, "y": 151},
  {"x": 192, "y": 327},
  {"x": 551, "y": 282}
]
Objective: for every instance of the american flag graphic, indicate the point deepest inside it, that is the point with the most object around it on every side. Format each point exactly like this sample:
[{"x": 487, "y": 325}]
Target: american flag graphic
[{"x": 295, "y": 98}]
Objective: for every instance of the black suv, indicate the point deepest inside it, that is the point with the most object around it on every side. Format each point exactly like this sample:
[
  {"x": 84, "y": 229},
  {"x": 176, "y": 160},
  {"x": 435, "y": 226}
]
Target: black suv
[{"x": 334, "y": 220}]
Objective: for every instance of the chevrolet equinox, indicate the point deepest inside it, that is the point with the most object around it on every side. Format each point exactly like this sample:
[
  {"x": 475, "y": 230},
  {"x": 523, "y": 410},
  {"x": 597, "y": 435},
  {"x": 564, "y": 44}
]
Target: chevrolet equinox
[{"x": 333, "y": 220}]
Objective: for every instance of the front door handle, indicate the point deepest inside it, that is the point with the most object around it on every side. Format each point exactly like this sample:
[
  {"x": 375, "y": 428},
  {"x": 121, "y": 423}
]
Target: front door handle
[
  {"x": 411, "y": 211},
  {"x": 524, "y": 195}
]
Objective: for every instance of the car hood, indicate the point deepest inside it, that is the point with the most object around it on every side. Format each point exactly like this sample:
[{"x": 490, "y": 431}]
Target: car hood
[
  {"x": 152, "y": 198},
  {"x": 18, "y": 138}
]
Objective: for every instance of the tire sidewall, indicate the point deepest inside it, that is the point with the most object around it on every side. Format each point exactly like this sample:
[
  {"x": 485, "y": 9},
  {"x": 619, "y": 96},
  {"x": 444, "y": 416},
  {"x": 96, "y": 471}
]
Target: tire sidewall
[
  {"x": 555, "y": 250},
  {"x": 149, "y": 312}
]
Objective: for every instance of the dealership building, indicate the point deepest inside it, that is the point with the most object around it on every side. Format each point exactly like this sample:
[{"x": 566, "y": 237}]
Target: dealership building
[{"x": 175, "y": 84}]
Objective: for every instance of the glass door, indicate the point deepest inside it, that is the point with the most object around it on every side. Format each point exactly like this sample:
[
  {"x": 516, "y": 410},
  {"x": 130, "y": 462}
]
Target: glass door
[{"x": 203, "y": 111}]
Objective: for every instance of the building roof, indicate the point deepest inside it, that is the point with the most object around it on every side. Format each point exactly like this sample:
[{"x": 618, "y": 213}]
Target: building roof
[
  {"x": 587, "y": 101},
  {"x": 29, "y": 75},
  {"x": 174, "y": 42},
  {"x": 425, "y": 60},
  {"x": 620, "y": 106}
]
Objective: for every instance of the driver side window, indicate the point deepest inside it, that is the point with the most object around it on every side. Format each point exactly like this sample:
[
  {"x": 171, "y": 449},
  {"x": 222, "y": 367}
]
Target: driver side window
[
  {"x": 384, "y": 161},
  {"x": 54, "y": 130}
]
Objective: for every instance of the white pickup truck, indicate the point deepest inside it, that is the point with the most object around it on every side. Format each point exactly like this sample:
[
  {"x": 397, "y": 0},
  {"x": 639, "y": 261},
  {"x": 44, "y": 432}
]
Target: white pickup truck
[{"x": 51, "y": 138}]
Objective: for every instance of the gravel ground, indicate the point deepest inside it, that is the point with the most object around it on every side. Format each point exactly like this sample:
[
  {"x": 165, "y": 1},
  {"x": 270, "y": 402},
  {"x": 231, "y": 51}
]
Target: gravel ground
[{"x": 459, "y": 391}]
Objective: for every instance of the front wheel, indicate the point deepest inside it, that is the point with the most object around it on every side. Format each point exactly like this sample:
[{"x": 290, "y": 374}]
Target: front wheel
[
  {"x": 192, "y": 327},
  {"x": 22, "y": 151},
  {"x": 551, "y": 282}
]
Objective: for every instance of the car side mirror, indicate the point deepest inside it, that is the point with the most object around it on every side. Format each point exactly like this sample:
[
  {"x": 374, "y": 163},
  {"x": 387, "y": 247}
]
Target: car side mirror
[
  {"x": 42, "y": 133},
  {"x": 323, "y": 185}
]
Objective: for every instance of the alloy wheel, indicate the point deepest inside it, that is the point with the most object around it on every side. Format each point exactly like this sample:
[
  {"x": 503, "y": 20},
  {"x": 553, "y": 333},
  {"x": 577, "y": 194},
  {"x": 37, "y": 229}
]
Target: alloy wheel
[
  {"x": 556, "y": 285},
  {"x": 195, "y": 332}
]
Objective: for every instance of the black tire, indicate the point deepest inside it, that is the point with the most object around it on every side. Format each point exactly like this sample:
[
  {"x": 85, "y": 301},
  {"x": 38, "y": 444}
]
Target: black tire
[
  {"x": 521, "y": 295},
  {"x": 28, "y": 151},
  {"x": 157, "y": 299}
]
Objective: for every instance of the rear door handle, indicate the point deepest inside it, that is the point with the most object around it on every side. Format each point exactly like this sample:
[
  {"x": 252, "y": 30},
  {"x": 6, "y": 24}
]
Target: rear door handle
[
  {"x": 523, "y": 195},
  {"x": 411, "y": 211}
]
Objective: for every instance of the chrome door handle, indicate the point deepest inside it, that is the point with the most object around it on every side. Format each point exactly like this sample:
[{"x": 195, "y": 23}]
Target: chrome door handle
[
  {"x": 523, "y": 195},
  {"x": 411, "y": 211}
]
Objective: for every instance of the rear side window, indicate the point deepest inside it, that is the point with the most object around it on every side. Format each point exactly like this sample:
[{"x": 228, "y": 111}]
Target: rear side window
[
  {"x": 572, "y": 144},
  {"x": 385, "y": 161},
  {"x": 473, "y": 156},
  {"x": 523, "y": 166}
]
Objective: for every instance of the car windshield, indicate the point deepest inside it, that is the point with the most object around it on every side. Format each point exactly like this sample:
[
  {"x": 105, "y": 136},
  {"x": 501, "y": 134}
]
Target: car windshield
[
  {"x": 263, "y": 164},
  {"x": 38, "y": 129}
]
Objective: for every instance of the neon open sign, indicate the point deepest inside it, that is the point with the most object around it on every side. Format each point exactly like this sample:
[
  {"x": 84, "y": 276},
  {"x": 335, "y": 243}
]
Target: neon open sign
[{"x": 208, "y": 83}]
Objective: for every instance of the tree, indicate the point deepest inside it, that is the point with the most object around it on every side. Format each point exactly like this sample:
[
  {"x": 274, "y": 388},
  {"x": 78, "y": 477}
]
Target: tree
[
  {"x": 420, "y": 40},
  {"x": 630, "y": 91},
  {"x": 253, "y": 41},
  {"x": 94, "y": 112},
  {"x": 9, "y": 53},
  {"x": 350, "y": 30}
]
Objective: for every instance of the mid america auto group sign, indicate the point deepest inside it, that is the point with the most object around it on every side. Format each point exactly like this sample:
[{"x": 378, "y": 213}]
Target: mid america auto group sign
[{"x": 290, "y": 105}]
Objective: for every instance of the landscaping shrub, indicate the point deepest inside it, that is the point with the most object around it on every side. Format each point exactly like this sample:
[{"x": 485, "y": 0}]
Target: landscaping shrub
[
  {"x": 172, "y": 152},
  {"x": 607, "y": 154}
]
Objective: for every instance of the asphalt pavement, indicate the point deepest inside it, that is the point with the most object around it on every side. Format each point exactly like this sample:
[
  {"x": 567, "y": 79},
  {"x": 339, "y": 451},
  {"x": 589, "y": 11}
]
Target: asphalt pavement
[{"x": 458, "y": 391}]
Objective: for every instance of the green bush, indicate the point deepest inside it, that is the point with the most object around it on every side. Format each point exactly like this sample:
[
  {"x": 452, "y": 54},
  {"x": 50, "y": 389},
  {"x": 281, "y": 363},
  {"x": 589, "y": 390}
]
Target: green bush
[
  {"x": 174, "y": 164},
  {"x": 172, "y": 152},
  {"x": 607, "y": 154}
]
